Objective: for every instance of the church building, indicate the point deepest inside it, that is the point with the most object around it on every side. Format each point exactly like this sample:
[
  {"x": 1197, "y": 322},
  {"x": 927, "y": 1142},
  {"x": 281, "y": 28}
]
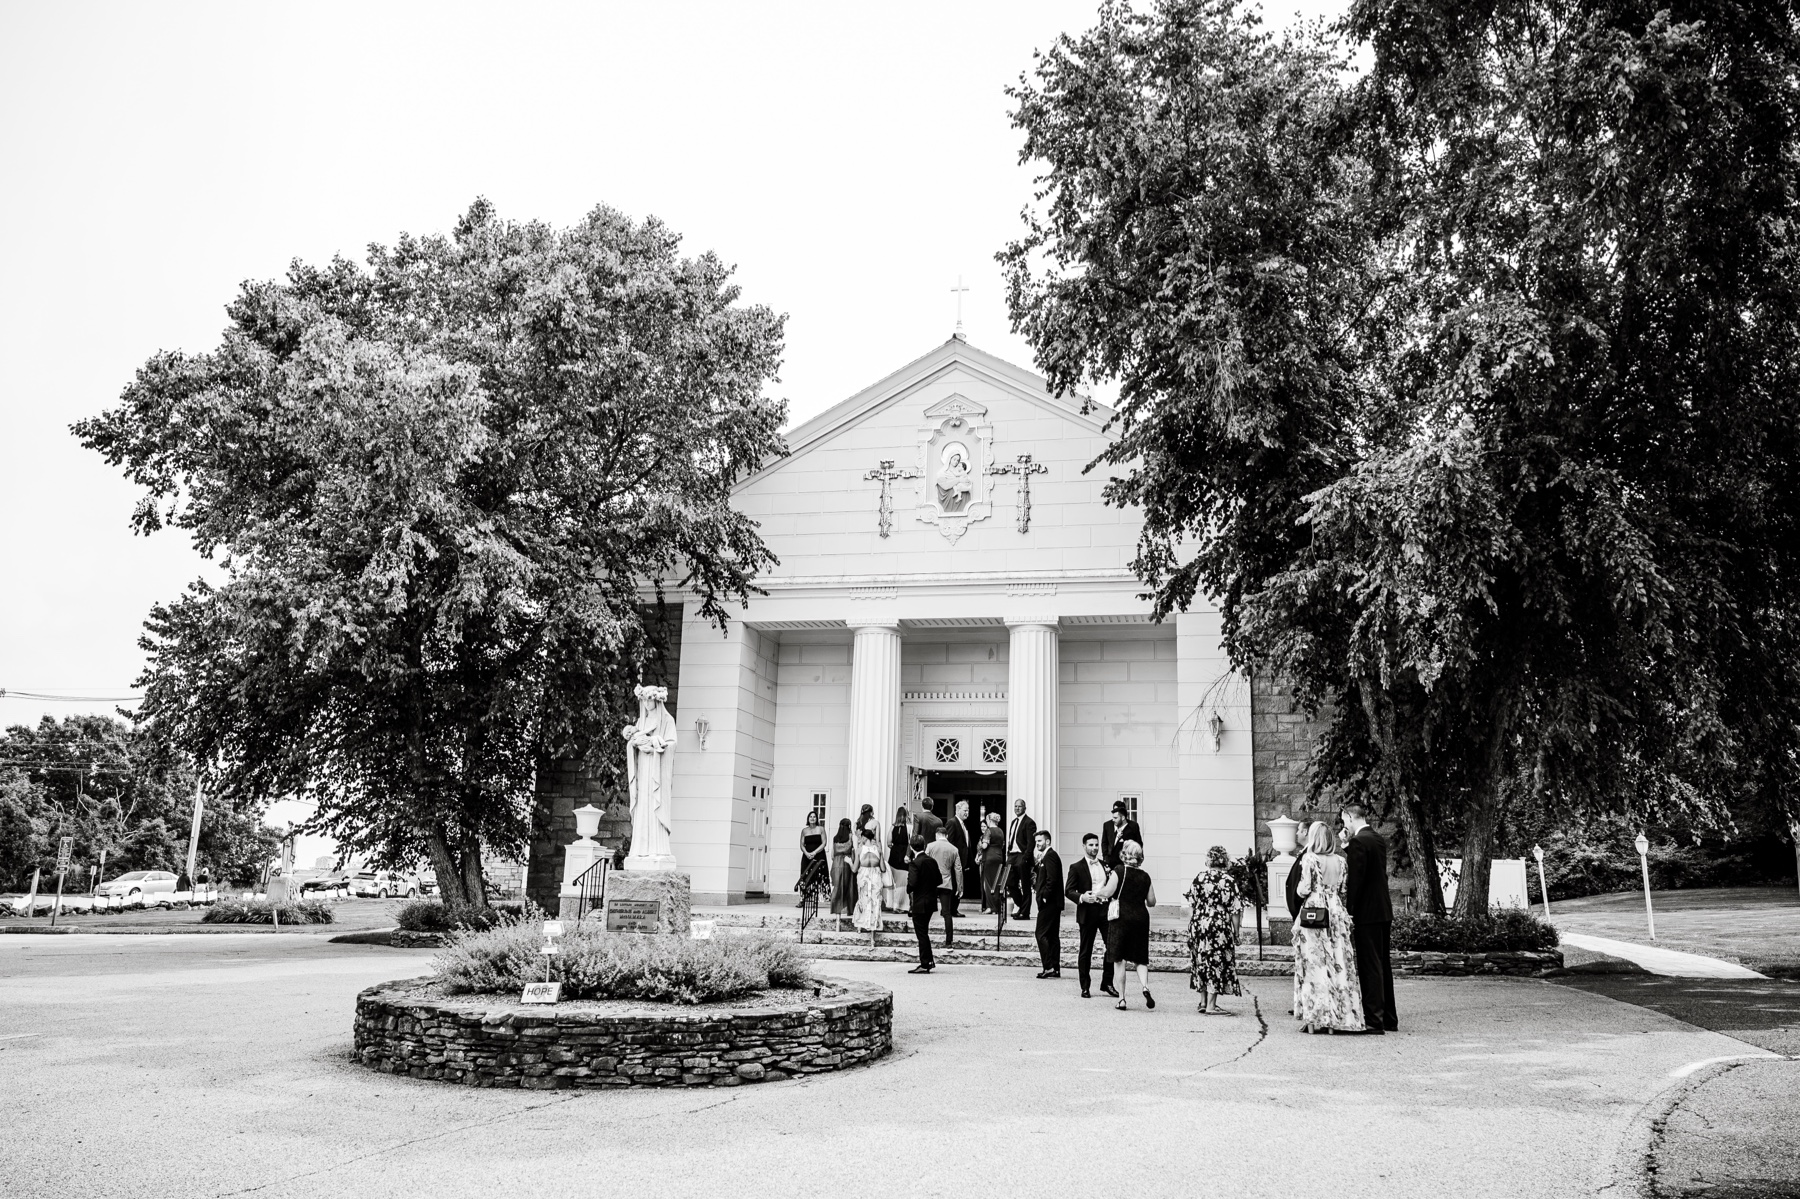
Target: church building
[{"x": 954, "y": 617}]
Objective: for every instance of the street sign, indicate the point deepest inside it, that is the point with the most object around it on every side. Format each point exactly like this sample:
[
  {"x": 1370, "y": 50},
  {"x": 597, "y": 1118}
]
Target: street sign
[{"x": 64, "y": 853}]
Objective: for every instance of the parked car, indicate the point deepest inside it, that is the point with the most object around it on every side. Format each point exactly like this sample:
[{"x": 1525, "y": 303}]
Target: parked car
[
  {"x": 384, "y": 884},
  {"x": 138, "y": 885},
  {"x": 428, "y": 881},
  {"x": 321, "y": 880}
]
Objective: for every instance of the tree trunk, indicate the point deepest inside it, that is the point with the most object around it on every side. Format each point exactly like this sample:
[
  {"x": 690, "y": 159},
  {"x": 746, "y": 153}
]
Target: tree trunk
[
  {"x": 1481, "y": 817},
  {"x": 451, "y": 889},
  {"x": 474, "y": 886},
  {"x": 1414, "y": 817},
  {"x": 1428, "y": 886}
]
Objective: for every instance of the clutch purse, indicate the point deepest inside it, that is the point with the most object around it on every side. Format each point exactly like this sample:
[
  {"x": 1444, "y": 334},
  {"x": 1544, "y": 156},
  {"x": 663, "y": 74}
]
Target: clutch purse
[
  {"x": 1315, "y": 916},
  {"x": 1112, "y": 909}
]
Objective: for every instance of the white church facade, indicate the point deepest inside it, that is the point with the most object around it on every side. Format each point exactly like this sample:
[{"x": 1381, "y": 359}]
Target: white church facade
[{"x": 954, "y": 616}]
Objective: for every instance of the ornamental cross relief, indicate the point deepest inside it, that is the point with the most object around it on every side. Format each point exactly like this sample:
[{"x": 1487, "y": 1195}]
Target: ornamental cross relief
[
  {"x": 1023, "y": 467},
  {"x": 887, "y": 474}
]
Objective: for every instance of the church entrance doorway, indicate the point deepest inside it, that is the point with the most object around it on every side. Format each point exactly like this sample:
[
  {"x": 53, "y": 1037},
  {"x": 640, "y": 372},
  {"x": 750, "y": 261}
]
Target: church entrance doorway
[{"x": 984, "y": 791}]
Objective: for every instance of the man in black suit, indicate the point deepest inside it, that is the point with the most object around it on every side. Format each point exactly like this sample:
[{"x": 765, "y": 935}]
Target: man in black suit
[
  {"x": 1086, "y": 877},
  {"x": 1371, "y": 915},
  {"x": 1116, "y": 832},
  {"x": 926, "y": 823},
  {"x": 1021, "y": 850},
  {"x": 1048, "y": 886},
  {"x": 923, "y": 878}
]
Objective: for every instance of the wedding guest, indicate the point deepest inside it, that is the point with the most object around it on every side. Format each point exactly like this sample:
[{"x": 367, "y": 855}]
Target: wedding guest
[
  {"x": 922, "y": 881},
  {"x": 1130, "y": 896},
  {"x": 899, "y": 852},
  {"x": 1021, "y": 843},
  {"x": 1216, "y": 910},
  {"x": 865, "y": 819},
  {"x": 843, "y": 872},
  {"x": 1120, "y": 829},
  {"x": 1327, "y": 995},
  {"x": 926, "y": 823},
  {"x": 949, "y": 864},
  {"x": 871, "y": 877},
  {"x": 992, "y": 849},
  {"x": 1087, "y": 878},
  {"x": 1047, "y": 885},
  {"x": 957, "y": 829},
  {"x": 1371, "y": 915},
  {"x": 815, "y": 872}
]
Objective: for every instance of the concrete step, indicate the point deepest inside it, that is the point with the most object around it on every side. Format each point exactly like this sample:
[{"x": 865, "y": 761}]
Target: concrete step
[
  {"x": 886, "y": 951},
  {"x": 973, "y": 924},
  {"x": 1014, "y": 939}
]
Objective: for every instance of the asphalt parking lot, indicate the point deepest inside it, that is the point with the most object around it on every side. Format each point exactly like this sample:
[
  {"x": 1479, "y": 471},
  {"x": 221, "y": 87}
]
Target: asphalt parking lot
[{"x": 224, "y": 1061}]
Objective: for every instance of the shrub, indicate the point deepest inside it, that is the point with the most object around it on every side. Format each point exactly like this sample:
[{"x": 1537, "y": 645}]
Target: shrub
[
  {"x": 430, "y": 916},
  {"x": 1503, "y": 930},
  {"x": 261, "y": 911},
  {"x": 596, "y": 964}
]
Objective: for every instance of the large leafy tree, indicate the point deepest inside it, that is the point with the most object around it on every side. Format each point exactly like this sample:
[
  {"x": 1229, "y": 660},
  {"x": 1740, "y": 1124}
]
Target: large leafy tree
[
  {"x": 440, "y": 489},
  {"x": 1468, "y": 387}
]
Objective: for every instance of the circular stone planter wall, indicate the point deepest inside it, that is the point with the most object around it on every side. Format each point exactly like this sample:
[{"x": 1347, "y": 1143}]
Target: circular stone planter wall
[
  {"x": 412, "y": 1028},
  {"x": 1519, "y": 964}
]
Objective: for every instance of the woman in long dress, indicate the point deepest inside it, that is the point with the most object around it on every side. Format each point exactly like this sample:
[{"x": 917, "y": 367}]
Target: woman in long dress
[
  {"x": 992, "y": 851},
  {"x": 871, "y": 876},
  {"x": 1128, "y": 933},
  {"x": 815, "y": 871},
  {"x": 1327, "y": 995},
  {"x": 1216, "y": 910},
  {"x": 843, "y": 872}
]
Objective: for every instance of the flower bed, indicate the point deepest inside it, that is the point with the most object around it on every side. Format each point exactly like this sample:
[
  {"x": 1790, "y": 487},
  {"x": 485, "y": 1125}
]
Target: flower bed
[
  {"x": 261, "y": 911},
  {"x": 418, "y": 1029}
]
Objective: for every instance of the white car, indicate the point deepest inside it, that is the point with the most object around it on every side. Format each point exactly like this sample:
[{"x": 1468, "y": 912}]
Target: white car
[
  {"x": 138, "y": 885},
  {"x": 384, "y": 884}
]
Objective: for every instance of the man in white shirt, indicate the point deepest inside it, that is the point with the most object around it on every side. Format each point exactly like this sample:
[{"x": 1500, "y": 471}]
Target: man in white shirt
[{"x": 1021, "y": 857}]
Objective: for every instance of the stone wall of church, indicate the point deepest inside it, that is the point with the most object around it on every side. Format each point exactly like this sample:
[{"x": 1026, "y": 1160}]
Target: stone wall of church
[
  {"x": 564, "y": 784},
  {"x": 1283, "y": 736}
]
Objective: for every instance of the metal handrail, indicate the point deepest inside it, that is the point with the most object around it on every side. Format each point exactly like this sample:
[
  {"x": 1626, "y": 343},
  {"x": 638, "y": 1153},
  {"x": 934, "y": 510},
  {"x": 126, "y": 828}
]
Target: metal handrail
[{"x": 593, "y": 890}]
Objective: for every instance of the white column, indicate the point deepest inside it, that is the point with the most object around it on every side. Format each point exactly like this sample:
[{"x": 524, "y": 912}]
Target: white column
[
  {"x": 874, "y": 722},
  {"x": 1031, "y": 712}
]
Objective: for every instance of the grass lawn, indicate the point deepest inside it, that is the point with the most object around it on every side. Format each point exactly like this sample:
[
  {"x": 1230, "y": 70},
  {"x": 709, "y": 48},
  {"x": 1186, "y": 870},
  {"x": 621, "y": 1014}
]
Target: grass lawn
[{"x": 1757, "y": 926}]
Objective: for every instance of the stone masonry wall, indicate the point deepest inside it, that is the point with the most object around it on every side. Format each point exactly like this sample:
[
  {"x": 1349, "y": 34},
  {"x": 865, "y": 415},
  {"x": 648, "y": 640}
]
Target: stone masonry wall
[
  {"x": 1283, "y": 738},
  {"x": 401, "y": 1028}
]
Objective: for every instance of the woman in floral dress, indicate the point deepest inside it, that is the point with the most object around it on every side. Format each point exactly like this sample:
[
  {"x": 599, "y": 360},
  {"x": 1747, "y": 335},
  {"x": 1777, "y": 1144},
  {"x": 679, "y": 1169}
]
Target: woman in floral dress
[
  {"x": 871, "y": 876},
  {"x": 1212, "y": 931},
  {"x": 1327, "y": 995}
]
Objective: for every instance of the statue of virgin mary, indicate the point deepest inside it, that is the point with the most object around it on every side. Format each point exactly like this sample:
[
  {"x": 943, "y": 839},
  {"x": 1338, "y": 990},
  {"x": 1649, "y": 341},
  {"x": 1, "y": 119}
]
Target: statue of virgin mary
[{"x": 650, "y": 774}]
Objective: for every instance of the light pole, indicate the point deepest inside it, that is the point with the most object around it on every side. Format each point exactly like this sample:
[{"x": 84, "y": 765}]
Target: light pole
[
  {"x": 1643, "y": 848},
  {"x": 1537, "y": 851}
]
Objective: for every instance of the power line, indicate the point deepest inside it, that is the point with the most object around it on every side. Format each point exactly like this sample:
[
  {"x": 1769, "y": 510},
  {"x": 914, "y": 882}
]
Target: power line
[{"x": 70, "y": 699}]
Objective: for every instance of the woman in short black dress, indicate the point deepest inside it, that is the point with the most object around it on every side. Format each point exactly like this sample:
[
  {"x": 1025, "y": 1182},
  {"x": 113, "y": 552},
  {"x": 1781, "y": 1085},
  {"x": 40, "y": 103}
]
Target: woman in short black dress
[
  {"x": 899, "y": 854},
  {"x": 1128, "y": 934}
]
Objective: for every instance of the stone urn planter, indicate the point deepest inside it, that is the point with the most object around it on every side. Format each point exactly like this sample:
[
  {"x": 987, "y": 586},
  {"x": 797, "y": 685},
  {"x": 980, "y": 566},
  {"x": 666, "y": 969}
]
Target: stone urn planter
[{"x": 412, "y": 1027}]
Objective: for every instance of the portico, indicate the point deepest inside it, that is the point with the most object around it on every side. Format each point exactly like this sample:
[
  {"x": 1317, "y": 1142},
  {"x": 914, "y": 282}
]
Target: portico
[{"x": 964, "y": 611}]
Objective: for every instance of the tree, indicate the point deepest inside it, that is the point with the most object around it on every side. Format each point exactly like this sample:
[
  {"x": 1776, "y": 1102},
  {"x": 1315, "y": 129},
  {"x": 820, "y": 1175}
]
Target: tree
[
  {"x": 116, "y": 788},
  {"x": 440, "y": 489},
  {"x": 1468, "y": 387}
]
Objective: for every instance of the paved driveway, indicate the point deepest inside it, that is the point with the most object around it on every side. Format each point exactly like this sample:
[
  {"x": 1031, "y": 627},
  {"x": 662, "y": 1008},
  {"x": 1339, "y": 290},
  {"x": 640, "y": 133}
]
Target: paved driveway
[{"x": 218, "y": 1065}]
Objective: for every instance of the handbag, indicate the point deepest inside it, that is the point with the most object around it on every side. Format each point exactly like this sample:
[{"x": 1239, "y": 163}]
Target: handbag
[
  {"x": 1315, "y": 915},
  {"x": 1112, "y": 905}
]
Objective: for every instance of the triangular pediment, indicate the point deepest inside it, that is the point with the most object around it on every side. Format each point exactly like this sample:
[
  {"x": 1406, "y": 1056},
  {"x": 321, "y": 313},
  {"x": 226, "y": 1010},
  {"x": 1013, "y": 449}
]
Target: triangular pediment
[{"x": 957, "y": 461}]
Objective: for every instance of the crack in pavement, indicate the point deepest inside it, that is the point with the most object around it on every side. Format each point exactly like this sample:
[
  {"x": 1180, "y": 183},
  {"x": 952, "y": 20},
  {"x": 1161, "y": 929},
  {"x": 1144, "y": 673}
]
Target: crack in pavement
[{"x": 1262, "y": 1035}]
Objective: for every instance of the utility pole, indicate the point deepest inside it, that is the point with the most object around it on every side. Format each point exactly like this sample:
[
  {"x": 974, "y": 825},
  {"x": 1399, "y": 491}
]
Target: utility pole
[{"x": 194, "y": 833}]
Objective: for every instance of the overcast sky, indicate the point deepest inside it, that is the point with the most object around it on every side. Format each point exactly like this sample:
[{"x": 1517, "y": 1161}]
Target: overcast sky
[{"x": 851, "y": 161}]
